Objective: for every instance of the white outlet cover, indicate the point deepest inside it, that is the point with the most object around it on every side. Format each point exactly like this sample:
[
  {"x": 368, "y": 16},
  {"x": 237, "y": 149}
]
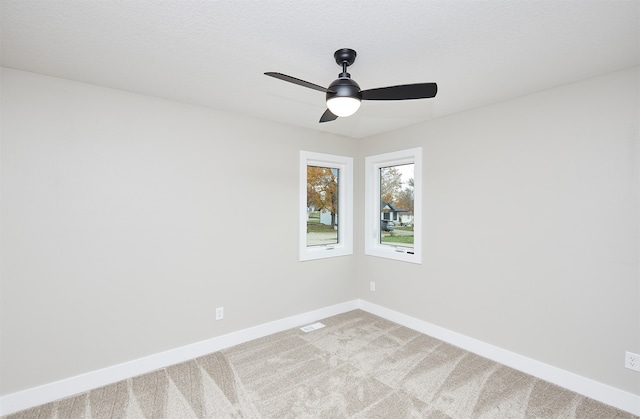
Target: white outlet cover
[{"x": 632, "y": 361}]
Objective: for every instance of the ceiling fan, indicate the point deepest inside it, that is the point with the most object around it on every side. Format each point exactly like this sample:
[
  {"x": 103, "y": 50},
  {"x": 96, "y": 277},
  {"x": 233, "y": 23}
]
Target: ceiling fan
[{"x": 344, "y": 94}]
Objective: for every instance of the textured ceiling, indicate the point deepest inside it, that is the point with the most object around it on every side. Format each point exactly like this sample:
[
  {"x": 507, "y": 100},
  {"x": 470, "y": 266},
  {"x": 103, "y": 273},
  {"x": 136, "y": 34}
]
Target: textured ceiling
[{"x": 214, "y": 53}]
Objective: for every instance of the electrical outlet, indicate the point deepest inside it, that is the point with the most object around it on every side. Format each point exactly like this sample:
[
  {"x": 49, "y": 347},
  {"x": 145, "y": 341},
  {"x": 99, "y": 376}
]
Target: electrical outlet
[
  {"x": 372, "y": 286},
  {"x": 632, "y": 361},
  {"x": 219, "y": 313}
]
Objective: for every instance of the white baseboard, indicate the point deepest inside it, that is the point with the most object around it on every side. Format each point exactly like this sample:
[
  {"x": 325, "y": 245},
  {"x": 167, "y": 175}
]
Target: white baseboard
[
  {"x": 79, "y": 384},
  {"x": 598, "y": 391},
  {"x": 36, "y": 396}
]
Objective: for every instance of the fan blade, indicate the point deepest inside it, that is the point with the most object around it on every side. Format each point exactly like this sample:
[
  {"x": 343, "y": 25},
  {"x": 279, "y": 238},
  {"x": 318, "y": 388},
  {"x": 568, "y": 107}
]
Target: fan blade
[
  {"x": 328, "y": 116},
  {"x": 296, "y": 81},
  {"x": 402, "y": 92}
]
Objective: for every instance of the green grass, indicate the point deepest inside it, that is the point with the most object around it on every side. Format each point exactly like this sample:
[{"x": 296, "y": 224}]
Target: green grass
[
  {"x": 403, "y": 228},
  {"x": 397, "y": 239},
  {"x": 313, "y": 227}
]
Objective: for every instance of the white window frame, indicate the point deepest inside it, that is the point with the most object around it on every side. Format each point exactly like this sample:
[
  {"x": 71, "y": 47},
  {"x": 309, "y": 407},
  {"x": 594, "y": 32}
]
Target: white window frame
[
  {"x": 372, "y": 245},
  {"x": 345, "y": 206}
]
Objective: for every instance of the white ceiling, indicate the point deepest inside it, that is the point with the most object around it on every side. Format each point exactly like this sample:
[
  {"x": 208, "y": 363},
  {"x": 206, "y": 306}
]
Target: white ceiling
[{"x": 214, "y": 53}]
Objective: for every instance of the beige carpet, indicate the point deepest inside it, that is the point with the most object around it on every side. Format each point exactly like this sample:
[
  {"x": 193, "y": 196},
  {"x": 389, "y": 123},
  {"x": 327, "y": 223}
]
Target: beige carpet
[{"x": 358, "y": 366}]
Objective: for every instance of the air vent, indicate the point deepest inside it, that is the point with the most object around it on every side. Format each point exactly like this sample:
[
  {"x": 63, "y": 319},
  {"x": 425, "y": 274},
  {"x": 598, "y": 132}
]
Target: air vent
[{"x": 312, "y": 327}]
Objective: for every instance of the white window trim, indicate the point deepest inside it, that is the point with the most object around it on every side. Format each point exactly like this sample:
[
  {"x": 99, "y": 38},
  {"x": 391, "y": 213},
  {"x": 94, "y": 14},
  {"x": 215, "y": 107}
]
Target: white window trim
[
  {"x": 372, "y": 245},
  {"x": 345, "y": 206}
]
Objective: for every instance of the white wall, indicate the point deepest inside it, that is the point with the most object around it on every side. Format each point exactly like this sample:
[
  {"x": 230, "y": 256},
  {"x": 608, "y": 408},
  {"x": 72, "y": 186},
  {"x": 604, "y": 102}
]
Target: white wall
[
  {"x": 531, "y": 230},
  {"x": 127, "y": 219},
  {"x": 120, "y": 231}
]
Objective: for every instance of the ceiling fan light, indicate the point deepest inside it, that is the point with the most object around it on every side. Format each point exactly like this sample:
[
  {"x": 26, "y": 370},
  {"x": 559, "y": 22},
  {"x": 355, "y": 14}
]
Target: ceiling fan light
[{"x": 343, "y": 106}]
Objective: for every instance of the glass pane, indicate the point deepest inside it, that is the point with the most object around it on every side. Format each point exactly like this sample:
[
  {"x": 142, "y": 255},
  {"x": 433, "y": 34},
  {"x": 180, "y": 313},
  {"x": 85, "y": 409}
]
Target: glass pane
[
  {"x": 322, "y": 205},
  {"x": 396, "y": 205}
]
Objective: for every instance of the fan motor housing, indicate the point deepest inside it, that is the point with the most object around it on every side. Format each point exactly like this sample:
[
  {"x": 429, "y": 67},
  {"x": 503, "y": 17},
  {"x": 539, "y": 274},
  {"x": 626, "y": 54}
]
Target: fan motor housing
[{"x": 344, "y": 87}]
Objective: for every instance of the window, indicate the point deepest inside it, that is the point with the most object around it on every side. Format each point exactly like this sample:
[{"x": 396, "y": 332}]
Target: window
[
  {"x": 326, "y": 206},
  {"x": 393, "y": 204}
]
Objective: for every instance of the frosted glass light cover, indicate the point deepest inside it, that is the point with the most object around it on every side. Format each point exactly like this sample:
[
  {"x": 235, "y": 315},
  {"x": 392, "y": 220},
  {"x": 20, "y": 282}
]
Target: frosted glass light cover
[{"x": 343, "y": 106}]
